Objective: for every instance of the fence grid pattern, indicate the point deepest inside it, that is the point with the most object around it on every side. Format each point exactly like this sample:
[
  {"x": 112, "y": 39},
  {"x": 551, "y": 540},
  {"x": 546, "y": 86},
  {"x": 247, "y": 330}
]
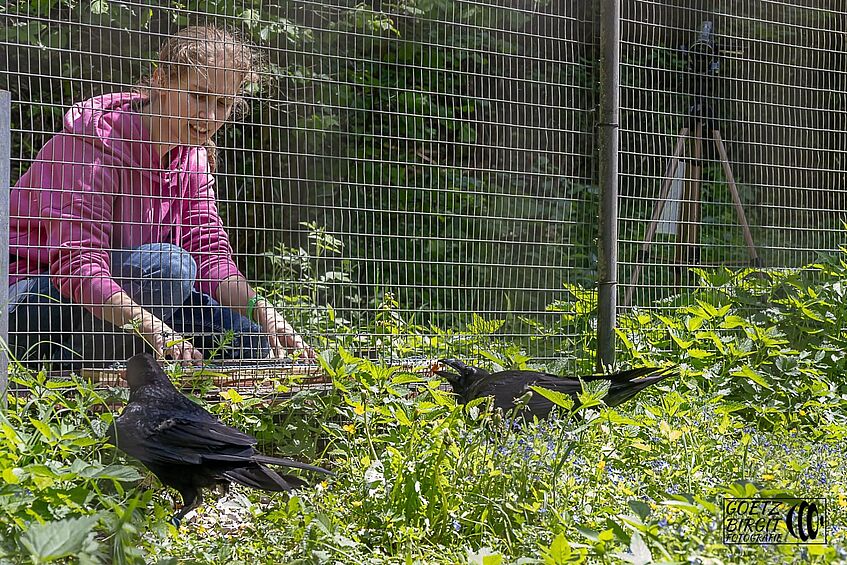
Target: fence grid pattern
[
  {"x": 769, "y": 79},
  {"x": 411, "y": 175},
  {"x": 404, "y": 172}
]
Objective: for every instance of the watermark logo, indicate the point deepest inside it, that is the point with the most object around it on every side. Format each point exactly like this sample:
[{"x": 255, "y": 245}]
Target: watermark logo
[{"x": 760, "y": 521}]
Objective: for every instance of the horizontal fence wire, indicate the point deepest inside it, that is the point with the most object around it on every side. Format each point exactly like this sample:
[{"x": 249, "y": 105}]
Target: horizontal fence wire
[
  {"x": 408, "y": 180},
  {"x": 722, "y": 98}
]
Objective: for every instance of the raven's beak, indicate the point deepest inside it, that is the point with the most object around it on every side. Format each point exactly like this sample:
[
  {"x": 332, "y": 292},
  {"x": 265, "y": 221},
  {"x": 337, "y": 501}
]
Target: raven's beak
[
  {"x": 451, "y": 377},
  {"x": 454, "y": 364}
]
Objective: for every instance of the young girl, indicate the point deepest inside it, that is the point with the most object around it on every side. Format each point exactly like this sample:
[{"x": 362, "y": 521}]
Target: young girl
[{"x": 114, "y": 230}]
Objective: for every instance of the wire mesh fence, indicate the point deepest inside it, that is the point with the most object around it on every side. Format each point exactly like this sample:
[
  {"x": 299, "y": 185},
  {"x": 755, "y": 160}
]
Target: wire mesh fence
[
  {"x": 732, "y": 143},
  {"x": 409, "y": 179}
]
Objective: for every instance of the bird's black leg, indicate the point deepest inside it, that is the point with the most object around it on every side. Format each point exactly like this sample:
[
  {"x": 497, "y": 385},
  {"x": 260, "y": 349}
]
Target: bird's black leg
[{"x": 191, "y": 499}]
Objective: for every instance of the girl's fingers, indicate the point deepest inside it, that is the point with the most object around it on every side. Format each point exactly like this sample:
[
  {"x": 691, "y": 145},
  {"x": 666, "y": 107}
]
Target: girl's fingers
[
  {"x": 192, "y": 353},
  {"x": 294, "y": 341},
  {"x": 283, "y": 337},
  {"x": 277, "y": 349},
  {"x": 182, "y": 352}
]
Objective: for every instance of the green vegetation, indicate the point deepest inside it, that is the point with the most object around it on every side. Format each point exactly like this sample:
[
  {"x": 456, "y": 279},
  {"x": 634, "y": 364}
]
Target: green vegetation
[
  {"x": 431, "y": 194},
  {"x": 760, "y": 409}
]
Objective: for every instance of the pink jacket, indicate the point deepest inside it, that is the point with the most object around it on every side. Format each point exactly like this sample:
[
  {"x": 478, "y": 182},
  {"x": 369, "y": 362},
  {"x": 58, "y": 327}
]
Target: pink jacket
[{"x": 97, "y": 186}]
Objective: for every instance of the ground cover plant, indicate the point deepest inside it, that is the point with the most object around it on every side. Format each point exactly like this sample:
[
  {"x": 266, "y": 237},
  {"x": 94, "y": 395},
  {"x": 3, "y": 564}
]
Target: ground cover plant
[{"x": 758, "y": 410}]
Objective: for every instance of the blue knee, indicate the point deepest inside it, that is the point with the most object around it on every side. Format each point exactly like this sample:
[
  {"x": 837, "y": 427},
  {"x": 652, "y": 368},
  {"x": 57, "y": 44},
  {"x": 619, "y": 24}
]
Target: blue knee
[
  {"x": 173, "y": 266},
  {"x": 156, "y": 274}
]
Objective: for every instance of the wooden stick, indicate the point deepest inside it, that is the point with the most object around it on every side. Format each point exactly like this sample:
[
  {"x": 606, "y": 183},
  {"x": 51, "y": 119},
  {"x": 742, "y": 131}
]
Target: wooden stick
[
  {"x": 736, "y": 198},
  {"x": 657, "y": 213}
]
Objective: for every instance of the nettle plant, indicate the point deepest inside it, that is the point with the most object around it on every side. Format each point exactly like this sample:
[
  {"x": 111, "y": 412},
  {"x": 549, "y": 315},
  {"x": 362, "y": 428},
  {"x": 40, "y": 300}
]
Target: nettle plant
[{"x": 769, "y": 343}]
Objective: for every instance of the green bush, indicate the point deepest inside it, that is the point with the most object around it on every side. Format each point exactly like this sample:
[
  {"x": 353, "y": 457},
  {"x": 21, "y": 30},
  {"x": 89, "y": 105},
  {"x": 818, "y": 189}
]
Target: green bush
[{"x": 757, "y": 410}]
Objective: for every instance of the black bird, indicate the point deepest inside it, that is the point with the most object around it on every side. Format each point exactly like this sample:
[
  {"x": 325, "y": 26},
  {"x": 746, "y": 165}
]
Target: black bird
[
  {"x": 505, "y": 386},
  {"x": 185, "y": 446}
]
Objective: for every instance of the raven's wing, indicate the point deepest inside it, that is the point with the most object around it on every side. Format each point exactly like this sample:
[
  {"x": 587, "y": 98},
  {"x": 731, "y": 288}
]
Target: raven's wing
[
  {"x": 186, "y": 441},
  {"x": 506, "y": 386},
  {"x": 622, "y": 385},
  {"x": 629, "y": 374},
  {"x": 519, "y": 383}
]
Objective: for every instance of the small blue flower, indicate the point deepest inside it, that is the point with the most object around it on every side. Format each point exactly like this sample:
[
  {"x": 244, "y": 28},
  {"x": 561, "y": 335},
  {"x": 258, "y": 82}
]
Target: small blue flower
[
  {"x": 456, "y": 526},
  {"x": 663, "y": 523}
]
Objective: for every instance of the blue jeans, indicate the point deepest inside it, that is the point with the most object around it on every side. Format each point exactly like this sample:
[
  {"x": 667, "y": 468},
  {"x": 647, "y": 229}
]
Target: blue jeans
[{"x": 160, "y": 277}]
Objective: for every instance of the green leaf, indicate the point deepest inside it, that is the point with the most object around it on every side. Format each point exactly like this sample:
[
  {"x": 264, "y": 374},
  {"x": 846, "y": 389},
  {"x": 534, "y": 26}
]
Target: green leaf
[
  {"x": 232, "y": 395},
  {"x": 593, "y": 393},
  {"x": 484, "y": 557},
  {"x": 401, "y": 417},
  {"x": 682, "y": 505},
  {"x": 682, "y": 343},
  {"x": 442, "y": 398},
  {"x": 481, "y": 326},
  {"x": 699, "y": 353},
  {"x": 406, "y": 378},
  {"x": 748, "y": 372},
  {"x": 559, "y": 551},
  {"x": 123, "y": 473},
  {"x": 558, "y": 398},
  {"x": 606, "y": 535},
  {"x": 55, "y": 540},
  {"x": 10, "y": 476},
  {"x": 43, "y": 428},
  {"x": 642, "y": 509},
  {"x": 731, "y": 322},
  {"x": 592, "y": 535},
  {"x": 693, "y": 323}
]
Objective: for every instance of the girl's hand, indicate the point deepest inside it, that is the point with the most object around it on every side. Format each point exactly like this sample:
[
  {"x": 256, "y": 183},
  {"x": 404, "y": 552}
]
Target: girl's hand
[
  {"x": 281, "y": 334},
  {"x": 167, "y": 342}
]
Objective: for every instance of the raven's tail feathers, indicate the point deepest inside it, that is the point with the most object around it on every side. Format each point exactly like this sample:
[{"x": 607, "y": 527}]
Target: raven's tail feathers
[
  {"x": 653, "y": 374},
  {"x": 264, "y": 478},
  {"x": 626, "y": 384},
  {"x": 259, "y": 458}
]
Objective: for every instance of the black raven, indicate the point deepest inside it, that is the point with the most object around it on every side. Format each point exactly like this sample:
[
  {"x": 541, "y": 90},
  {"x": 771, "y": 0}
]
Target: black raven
[
  {"x": 505, "y": 386},
  {"x": 185, "y": 446}
]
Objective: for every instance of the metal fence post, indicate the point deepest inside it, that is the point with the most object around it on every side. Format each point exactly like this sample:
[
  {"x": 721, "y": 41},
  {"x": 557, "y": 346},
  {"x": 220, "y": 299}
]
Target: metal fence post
[
  {"x": 5, "y": 179},
  {"x": 607, "y": 270}
]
